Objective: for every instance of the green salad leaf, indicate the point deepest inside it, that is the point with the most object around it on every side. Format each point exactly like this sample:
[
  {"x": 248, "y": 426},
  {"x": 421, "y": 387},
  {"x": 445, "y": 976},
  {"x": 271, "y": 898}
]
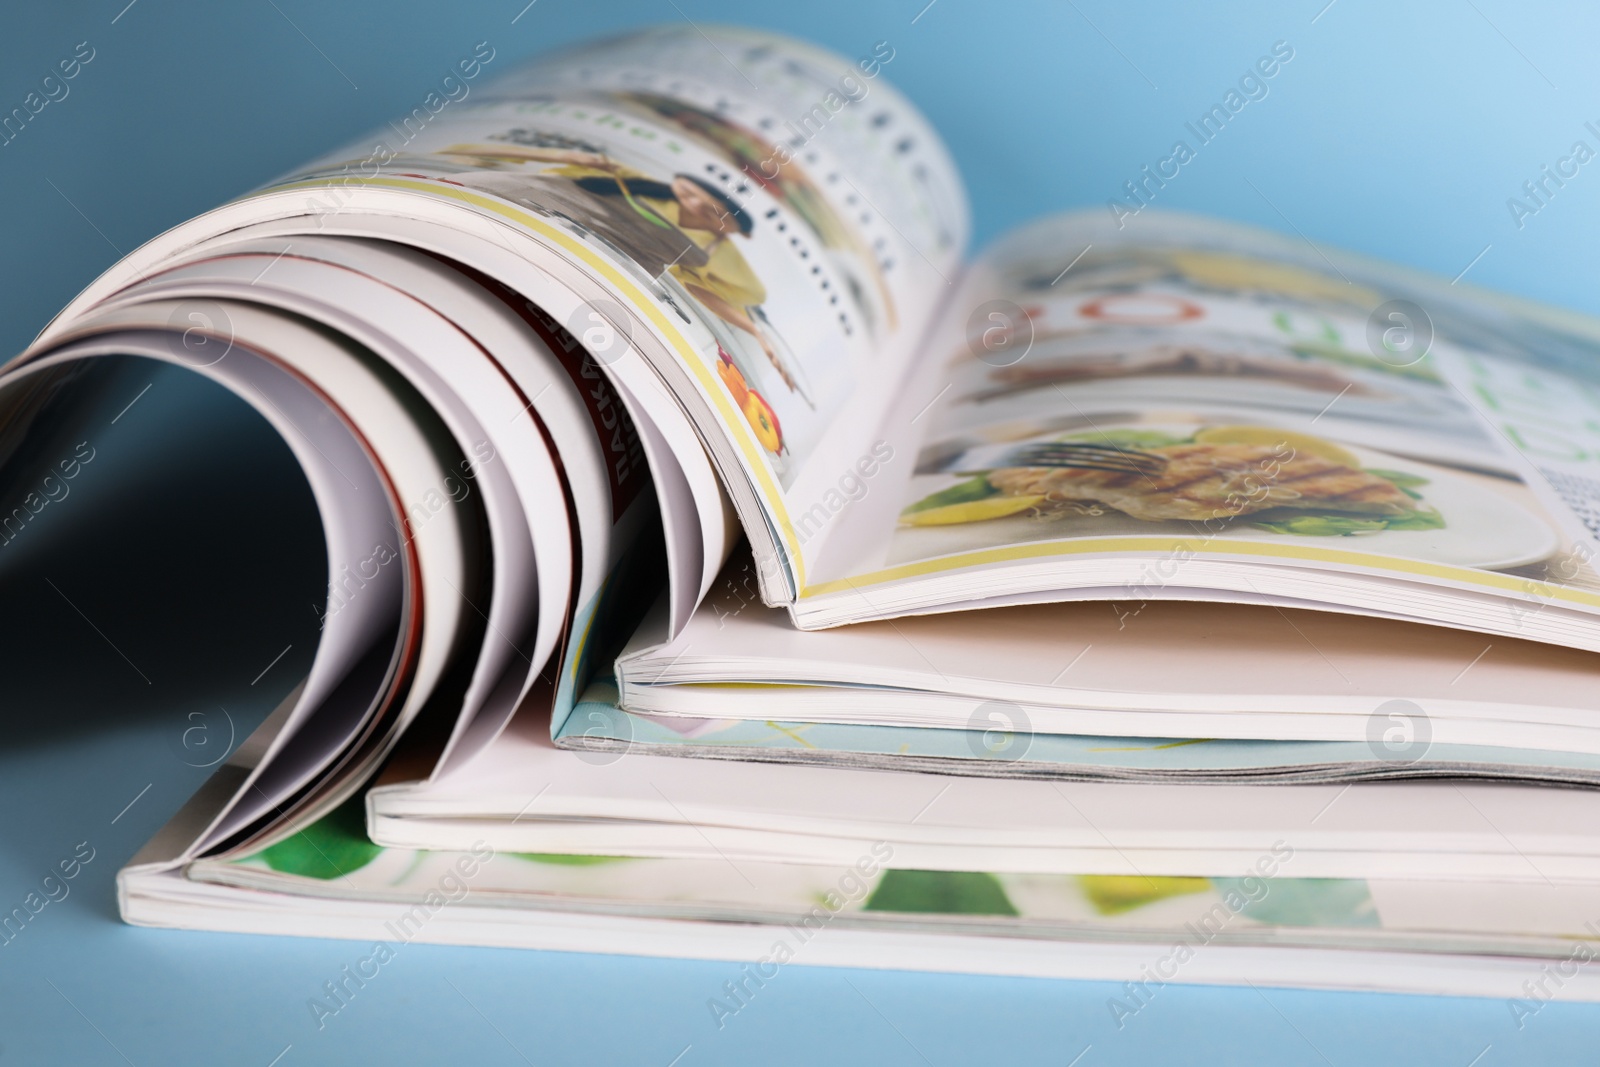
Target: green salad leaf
[
  {"x": 975, "y": 488},
  {"x": 1402, "y": 481},
  {"x": 1419, "y": 520},
  {"x": 1346, "y": 525},
  {"x": 1400, "y": 478},
  {"x": 1325, "y": 525}
]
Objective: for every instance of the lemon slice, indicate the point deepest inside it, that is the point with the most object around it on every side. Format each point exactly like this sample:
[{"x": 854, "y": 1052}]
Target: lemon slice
[
  {"x": 1302, "y": 443},
  {"x": 994, "y": 507}
]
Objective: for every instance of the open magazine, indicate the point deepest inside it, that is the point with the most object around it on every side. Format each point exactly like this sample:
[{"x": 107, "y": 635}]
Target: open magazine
[{"x": 652, "y": 410}]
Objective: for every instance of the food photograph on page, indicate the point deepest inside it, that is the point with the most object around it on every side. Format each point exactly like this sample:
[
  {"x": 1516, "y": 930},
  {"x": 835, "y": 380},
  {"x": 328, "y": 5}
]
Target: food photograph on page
[{"x": 818, "y": 525}]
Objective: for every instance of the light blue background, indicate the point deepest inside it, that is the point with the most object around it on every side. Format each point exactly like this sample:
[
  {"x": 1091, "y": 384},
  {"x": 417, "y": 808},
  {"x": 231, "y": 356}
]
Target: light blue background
[{"x": 1397, "y": 130}]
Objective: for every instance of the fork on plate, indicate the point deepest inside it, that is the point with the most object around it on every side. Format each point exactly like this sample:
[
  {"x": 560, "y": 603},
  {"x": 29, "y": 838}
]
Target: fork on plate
[{"x": 1079, "y": 455}]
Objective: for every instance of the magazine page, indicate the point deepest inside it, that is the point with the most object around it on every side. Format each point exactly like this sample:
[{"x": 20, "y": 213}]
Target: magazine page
[
  {"x": 1267, "y": 898},
  {"x": 643, "y": 435},
  {"x": 1179, "y": 405},
  {"x": 779, "y": 217},
  {"x": 1000, "y": 741},
  {"x": 384, "y": 646},
  {"x": 1201, "y": 671},
  {"x": 526, "y": 794},
  {"x": 764, "y": 261},
  {"x": 1431, "y": 937},
  {"x": 760, "y": 228}
]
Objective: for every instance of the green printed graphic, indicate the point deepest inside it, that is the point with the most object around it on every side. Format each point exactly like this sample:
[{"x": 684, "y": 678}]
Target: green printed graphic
[
  {"x": 940, "y": 893},
  {"x": 333, "y": 846}
]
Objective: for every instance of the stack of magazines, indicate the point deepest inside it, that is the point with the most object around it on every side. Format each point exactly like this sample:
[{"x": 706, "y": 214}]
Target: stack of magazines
[{"x": 722, "y": 564}]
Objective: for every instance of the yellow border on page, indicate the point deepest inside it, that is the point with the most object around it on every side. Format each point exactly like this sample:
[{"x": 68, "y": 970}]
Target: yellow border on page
[{"x": 1044, "y": 549}]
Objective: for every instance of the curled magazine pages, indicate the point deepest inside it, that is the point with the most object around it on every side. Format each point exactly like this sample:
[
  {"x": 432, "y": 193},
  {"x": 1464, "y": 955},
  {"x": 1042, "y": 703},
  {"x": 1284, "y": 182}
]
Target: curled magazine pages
[{"x": 719, "y": 563}]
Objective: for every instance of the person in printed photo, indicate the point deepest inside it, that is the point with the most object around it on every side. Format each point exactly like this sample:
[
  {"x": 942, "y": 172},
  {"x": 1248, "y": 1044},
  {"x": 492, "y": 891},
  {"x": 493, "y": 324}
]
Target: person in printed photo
[{"x": 683, "y": 226}]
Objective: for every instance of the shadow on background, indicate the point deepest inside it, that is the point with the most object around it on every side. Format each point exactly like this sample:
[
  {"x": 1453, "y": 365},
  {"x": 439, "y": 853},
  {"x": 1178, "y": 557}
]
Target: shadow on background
[{"x": 180, "y": 569}]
